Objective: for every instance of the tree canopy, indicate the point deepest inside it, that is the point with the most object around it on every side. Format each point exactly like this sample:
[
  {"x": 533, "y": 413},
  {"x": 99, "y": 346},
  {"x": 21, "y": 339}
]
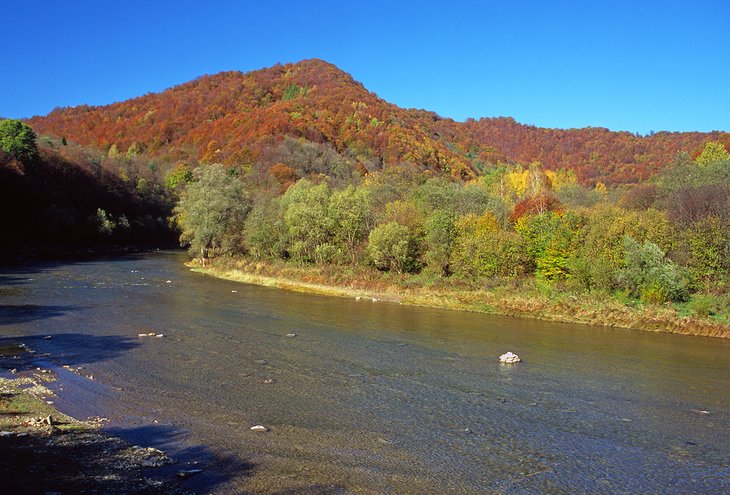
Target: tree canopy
[{"x": 17, "y": 139}]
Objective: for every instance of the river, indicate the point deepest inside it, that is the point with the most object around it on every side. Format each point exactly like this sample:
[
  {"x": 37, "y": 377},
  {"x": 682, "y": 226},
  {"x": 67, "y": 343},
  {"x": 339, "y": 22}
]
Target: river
[{"x": 371, "y": 397}]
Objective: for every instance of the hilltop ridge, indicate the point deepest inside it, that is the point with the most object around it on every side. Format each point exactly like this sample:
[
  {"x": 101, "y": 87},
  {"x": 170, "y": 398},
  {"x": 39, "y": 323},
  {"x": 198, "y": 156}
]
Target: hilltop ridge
[{"x": 232, "y": 117}]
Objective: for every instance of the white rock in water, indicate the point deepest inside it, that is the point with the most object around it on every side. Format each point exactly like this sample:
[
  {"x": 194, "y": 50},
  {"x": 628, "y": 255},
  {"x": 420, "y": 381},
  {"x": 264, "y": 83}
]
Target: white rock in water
[
  {"x": 509, "y": 358},
  {"x": 259, "y": 428}
]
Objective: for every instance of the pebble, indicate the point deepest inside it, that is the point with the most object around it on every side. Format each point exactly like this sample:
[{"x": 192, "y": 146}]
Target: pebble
[
  {"x": 268, "y": 381},
  {"x": 187, "y": 473},
  {"x": 291, "y": 335},
  {"x": 259, "y": 428},
  {"x": 261, "y": 361}
]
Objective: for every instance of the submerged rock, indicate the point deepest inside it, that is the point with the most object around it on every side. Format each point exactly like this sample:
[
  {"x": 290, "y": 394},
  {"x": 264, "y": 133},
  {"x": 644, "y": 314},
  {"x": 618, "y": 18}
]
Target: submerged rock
[
  {"x": 187, "y": 473},
  {"x": 137, "y": 456},
  {"x": 509, "y": 358}
]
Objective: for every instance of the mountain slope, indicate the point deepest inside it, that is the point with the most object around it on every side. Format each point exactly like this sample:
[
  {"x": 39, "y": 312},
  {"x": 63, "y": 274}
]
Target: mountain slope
[{"x": 232, "y": 117}]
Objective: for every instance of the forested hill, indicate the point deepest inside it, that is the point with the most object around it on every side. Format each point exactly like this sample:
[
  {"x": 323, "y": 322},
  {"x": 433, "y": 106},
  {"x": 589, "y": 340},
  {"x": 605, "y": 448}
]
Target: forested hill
[{"x": 233, "y": 118}]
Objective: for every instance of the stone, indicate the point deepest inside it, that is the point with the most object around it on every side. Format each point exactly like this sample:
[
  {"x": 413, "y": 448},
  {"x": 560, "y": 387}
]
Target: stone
[
  {"x": 187, "y": 473},
  {"x": 291, "y": 335},
  {"x": 509, "y": 358},
  {"x": 259, "y": 428}
]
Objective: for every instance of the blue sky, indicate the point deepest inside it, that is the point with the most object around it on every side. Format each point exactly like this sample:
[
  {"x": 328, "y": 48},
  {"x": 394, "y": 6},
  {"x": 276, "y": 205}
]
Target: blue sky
[{"x": 636, "y": 66}]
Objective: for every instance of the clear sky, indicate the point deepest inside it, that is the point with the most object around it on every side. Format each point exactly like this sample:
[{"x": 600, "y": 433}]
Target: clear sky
[{"x": 626, "y": 65}]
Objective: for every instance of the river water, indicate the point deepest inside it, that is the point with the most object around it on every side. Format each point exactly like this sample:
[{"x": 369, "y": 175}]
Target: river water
[{"x": 371, "y": 397}]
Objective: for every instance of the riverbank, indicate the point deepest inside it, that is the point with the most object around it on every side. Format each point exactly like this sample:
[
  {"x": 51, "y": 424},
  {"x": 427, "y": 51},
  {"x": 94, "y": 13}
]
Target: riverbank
[
  {"x": 46, "y": 451},
  {"x": 516, "y": 298}
]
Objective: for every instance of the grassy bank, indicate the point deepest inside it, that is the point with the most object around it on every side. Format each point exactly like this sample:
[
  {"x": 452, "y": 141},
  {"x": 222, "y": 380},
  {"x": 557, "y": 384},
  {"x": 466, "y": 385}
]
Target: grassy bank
[{"x": 522, "y": 298}]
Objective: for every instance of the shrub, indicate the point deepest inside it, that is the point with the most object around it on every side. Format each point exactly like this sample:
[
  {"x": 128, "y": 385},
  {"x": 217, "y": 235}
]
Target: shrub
[
  {"x": 647, "y": 274},
  {"x": 390, "y": 247}
]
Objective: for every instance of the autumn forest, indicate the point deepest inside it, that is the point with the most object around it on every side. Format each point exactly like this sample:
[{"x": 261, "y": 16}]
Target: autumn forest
[{"x": 300, "y": 165}]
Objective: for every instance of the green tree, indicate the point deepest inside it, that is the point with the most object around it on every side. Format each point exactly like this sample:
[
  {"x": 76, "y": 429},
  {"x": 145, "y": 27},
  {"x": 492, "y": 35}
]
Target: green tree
[
  {"x": 482, "y": 249},
  {"x": 265, "y": 232},
  {"x": 551, "y": 240},
  {"x": 390, "y": 247},
  {"x": 212, "y": 210},
  {"x": 351, "y": 212},
  {"x": 439, "y": 236},
  {"x": 104, "y": 223},
  {"x": 709, "y": 245},
  {"x": 606, "y": 227},
  {"x": 18, "y": 140},
  {"x": 177, "y": 177},
  {"x": 649, "y": 275},
  {"x": 307, "y": 220}
]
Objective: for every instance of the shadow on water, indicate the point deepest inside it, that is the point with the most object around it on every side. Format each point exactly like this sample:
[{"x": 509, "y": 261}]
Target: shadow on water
[
  {"x": 217, "y": 468},
  {"x": 12, "y": 280},
  {"x": 92, "y": 462},
  {"x": 13, "y": 314},
  {"x": 70, "y": 349}
]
